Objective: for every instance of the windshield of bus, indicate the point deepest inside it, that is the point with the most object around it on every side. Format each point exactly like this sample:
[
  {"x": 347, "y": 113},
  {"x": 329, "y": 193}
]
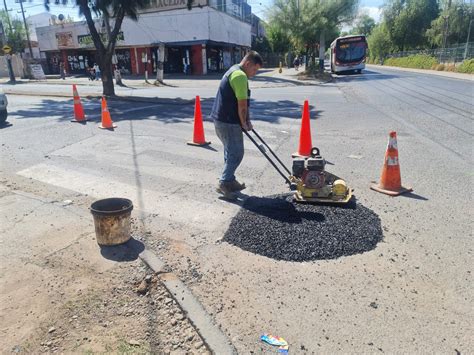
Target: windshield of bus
[{"x": 350, "y": 49}]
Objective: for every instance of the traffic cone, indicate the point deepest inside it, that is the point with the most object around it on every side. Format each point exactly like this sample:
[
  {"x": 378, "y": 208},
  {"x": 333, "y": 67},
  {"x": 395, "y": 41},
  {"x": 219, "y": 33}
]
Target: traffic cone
[
  {"x": 198, "y": 135},
  {"x": 106, "y": 119},
  {"x": 78, "y": 109},
  {"x": 390, "y": 180},
  {"x": 304, "y": 149}
]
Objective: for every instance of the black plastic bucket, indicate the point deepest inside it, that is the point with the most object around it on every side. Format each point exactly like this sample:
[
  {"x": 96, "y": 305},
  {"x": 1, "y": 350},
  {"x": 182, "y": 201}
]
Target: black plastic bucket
[{"x": 112, "y": 220}]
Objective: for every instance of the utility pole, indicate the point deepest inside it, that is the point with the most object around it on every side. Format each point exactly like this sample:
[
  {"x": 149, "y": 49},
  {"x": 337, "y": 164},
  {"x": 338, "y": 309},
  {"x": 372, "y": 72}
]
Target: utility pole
[
  {"x": 446, "y": 29},
  {"x": 8, "y": 16},
  {"x": 467, "y": 40},
  {"x": 26, "y": 28},
  {"x": 8, "y": 55}
]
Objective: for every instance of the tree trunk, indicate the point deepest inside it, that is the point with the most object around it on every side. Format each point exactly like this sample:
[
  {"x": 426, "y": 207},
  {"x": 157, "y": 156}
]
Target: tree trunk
[
  {"x": 107, "y": 78},
  {"x": 159, "y": 63},
  {"x": 322, "y": 50},
  {"x": 105, "y": 52}
]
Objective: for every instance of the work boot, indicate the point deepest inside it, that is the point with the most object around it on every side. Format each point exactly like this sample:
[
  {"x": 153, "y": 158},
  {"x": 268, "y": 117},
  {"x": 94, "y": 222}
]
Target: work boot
[
  {"x": 225, "y": 188},
  {"x": 236, "y": 186}
]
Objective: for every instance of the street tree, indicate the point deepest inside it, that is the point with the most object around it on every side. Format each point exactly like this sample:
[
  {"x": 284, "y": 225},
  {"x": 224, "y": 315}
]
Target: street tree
[
  {"x": 15, "y": 35},
  {"x": 112, "y": 12},
  {"x": 278, "y": 39},
  {"x": 379, "y": 42},
  {"x": 408, "y": 20},
  {"x": 307, "y": 20},
  {"x": 453, "y": 21},
  {"x": 363, "y": 25}
]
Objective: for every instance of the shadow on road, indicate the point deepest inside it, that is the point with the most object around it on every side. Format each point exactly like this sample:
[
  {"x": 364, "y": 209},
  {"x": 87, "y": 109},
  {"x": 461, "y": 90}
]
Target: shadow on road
[
  {"x": 415, "y": 196},
  {"x": 128, "y": 251},
  {"x": 170, "y": 110}
]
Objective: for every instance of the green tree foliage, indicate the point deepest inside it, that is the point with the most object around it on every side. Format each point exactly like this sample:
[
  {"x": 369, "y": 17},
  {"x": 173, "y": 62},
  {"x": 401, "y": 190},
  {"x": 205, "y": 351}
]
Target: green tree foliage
[
  {"x": 457, "y": 16},
  {"x": 408, "y": 20},
  {"x": 16, "y": 37},
  {"x": 261, "y": 44},
  {"x": 304, "y": 21},
  {"x": 278, "y": 39},
  {"x": 363, "y": 25},
  {"x": 379, "y": 43}
]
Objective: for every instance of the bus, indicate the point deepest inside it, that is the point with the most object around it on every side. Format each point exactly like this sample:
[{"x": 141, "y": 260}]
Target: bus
[{"x": 348, "y": 54}]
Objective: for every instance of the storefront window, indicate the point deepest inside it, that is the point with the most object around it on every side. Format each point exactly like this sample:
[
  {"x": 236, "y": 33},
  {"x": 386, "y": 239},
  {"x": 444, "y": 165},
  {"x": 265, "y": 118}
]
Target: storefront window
[
  {"x": 78, "y": 62},
  {"x": 124, "y": 63}
]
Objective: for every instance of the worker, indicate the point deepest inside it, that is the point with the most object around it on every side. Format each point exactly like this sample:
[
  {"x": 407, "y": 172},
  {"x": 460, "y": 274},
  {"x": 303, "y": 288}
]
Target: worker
[{"x": 230, "y": 113}]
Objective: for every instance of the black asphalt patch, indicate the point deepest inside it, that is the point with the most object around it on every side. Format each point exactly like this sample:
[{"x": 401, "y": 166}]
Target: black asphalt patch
[{"x": 278, "y": 228}]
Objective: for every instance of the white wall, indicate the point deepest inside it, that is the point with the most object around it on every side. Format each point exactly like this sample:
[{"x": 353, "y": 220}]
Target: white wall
[
  {"x": 17, "y": 65},
  {"x": 167, "y": 26},
  {"x": 181, "y": 25},
  {"x": 35, "y": 21},
  {"x": 226, "y": 28},
  {"x": 47, "y": 35}
]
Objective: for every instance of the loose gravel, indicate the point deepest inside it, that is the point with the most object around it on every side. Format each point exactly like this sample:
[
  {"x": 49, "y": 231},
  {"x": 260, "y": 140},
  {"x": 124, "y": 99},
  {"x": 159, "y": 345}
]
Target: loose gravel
[{"x": 278, "y": 228}]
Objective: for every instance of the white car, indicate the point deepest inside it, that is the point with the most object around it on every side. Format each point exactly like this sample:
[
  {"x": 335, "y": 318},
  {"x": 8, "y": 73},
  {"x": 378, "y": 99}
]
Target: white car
[{"x": 3, "y": 108}]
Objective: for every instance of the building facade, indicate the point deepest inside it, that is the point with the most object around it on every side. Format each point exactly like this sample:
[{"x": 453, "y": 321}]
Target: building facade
[{"x": 210, "y": 37}]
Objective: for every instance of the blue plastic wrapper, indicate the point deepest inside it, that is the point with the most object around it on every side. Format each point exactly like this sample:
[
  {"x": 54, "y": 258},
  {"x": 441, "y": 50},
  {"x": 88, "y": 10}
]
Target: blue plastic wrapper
[{"x": 276, "y": 341}]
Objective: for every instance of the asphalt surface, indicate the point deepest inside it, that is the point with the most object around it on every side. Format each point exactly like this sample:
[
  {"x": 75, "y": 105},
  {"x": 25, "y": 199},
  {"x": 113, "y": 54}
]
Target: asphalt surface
[
  {"x": 419, "y": 276},
  {"x": 281, "y": 229}
]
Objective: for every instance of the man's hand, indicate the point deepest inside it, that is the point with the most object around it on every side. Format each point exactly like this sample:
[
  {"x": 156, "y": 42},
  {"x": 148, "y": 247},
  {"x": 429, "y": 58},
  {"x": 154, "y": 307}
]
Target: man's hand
[{"x": 249, "y": 125}]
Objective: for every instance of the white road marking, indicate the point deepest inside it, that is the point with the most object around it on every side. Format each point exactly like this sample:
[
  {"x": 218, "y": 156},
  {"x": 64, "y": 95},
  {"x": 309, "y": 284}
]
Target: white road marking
[{"x": 168, "y": 205}]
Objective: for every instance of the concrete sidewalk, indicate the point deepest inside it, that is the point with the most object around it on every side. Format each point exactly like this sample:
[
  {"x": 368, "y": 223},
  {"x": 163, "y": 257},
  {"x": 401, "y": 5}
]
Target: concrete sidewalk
[
  {"x": 266, "y": 77},
  {"x": 181, "y": 88}
]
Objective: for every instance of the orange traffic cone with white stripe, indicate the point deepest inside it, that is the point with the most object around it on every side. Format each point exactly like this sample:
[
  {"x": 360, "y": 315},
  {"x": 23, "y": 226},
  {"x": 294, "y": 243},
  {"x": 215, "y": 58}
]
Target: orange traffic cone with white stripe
[
  {"x": 198, "y": 135},
  {"x": 78, "y": 109},
  {"x": 390, "y": 180},
  {"x": 305, "y": 146},
  {"x": 106, "y": 119}
]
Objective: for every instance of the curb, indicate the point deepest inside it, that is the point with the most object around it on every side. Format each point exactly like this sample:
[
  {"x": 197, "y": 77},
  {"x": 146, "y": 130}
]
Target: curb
[
  {"x": 156, "y": 100},
  {"x": 215, "y": 340}
]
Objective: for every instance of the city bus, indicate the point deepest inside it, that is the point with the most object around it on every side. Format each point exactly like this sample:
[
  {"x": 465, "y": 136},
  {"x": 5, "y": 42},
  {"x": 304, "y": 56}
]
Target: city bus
[{"x": 348, "y": 54}]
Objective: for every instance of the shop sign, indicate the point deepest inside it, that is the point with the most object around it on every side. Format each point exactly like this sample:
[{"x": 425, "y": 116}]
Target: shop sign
[
  {"x": 64, "y": 40},
  {"x": 37, "y": 71},
  {"x": 162, "y": 5},
  {"x": 86, "y": 40}
]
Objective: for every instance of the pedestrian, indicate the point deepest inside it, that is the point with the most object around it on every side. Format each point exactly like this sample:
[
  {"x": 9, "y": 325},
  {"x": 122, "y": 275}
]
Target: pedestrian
[
  {"x": 91, "y": 73},
  {"x": 62, "y": 71},
  {"x": 296, "y": 63},
  {"x": 97, "y": 71},
  {"x": 230, "y": 113}
]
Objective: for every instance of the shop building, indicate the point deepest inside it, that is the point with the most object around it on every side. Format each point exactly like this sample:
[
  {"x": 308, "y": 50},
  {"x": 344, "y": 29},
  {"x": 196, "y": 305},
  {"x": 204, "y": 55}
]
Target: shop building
[{"x": 211, "y": 37}]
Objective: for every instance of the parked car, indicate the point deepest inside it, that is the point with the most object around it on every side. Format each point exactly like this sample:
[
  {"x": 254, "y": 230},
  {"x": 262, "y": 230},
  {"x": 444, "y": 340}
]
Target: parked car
[{"x": 3, "y": 108}]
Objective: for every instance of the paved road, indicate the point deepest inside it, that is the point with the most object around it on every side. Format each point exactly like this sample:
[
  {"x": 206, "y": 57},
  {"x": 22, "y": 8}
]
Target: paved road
[{"x": 411, "y": 293}]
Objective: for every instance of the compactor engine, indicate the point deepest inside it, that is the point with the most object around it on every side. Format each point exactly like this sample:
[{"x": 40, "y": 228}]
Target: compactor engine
[{"x": 314, "y": 184}]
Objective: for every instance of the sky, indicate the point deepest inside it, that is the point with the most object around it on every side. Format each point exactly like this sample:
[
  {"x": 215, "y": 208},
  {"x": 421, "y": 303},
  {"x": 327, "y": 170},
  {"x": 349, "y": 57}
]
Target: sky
[
  {"x": 372, "y": 7},
  {"x": 259, "y": 8},
  {"x": 33, "y": 7}
]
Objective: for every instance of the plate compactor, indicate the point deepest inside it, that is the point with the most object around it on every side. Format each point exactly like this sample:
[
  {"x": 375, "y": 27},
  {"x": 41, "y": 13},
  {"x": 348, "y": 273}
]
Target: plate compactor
[{"x": 309, "y": 180}]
